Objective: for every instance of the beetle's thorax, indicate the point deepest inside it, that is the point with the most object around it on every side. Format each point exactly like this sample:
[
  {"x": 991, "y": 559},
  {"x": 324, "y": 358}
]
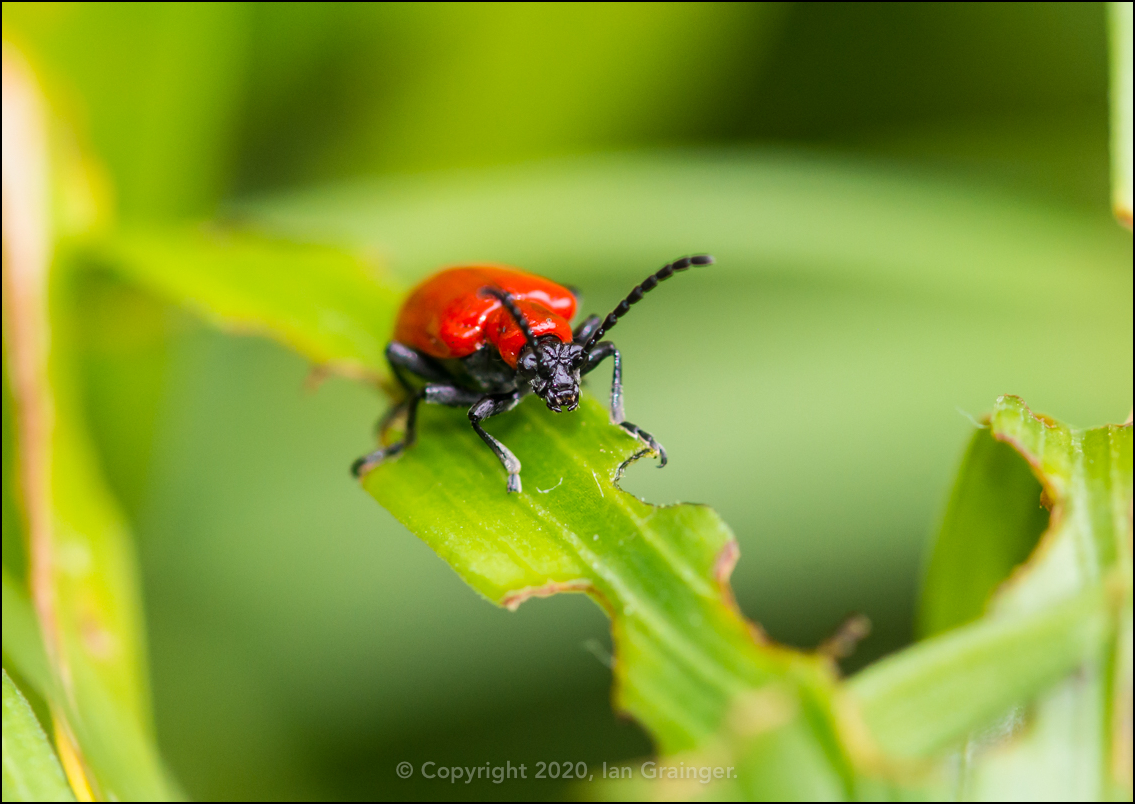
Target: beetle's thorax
[{"x": 552, "y": 371}]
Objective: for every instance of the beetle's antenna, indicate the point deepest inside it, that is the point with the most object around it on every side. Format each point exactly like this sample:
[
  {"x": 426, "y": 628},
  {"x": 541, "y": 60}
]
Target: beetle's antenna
[
  {"x": 635, "y": 296},
  {"x": 510, "y": 304}
]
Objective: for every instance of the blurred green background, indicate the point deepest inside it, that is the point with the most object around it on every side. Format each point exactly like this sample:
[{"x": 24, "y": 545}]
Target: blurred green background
[{"x": 909, "y": 204}]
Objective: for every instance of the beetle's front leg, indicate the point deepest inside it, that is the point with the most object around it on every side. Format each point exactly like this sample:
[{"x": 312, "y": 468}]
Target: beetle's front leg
[
  {"x": 492, "y": 405},
  {"x": 600, "y": 352}
]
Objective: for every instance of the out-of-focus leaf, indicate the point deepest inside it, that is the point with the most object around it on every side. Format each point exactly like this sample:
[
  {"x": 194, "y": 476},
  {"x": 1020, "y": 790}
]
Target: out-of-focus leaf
[
  {"x": 15, "y": 558},
  {"x": 99, "y": 643},
  {"x": 930, "y": 695},
  {"x": 31, "y": 771},
  {"x": 1120, "y": 20},
  {"x": 125, "y": 338},
  {"x": 1066, "y": 746},
  {"x": 1087, "y": 476},
  {"x": 1118, "y": 720},
  {"x": 992, "y": 523},
  {"x": 1066, "y": 734},
  {"x": 81, "y": 578},
  {"x": 325, "y": 303},
  {"x": 157, "y": 88},
  {"x": 23, "y": 645}
]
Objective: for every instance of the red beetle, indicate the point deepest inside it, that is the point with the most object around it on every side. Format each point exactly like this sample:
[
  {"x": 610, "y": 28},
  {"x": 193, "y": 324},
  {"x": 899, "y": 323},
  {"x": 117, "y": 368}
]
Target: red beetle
[{"x": 484, "y": 336}]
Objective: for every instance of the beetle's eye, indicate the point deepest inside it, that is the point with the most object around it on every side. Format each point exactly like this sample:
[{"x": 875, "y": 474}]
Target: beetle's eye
[{"x": 528, "y": 362}]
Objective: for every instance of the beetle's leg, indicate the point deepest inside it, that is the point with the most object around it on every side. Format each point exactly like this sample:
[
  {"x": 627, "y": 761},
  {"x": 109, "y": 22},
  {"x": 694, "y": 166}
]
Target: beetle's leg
[
  {"x": 600, "y": 352},
  {"x": 392, "y": 413},
  {"x": 432, "y": 394},
  {"x": 647, "y": 439},
  {"x": 488, "y": 406},
  {"x": 403, "y": 358},
  {"x": 372, "y": 459},
  {"x": 584, "y": 330}
]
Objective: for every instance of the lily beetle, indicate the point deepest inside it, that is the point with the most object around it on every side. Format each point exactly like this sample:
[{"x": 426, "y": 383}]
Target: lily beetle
[{"x": 484, "y": 336}]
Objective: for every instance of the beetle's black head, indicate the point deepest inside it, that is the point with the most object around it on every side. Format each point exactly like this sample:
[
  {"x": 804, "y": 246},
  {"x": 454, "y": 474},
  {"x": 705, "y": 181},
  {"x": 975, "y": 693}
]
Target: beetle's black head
[{"x": 552, "y": 370}]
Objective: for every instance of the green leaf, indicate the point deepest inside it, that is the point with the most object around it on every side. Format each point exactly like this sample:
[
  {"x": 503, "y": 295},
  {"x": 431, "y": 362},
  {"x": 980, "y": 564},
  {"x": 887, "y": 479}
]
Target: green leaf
[
  {"x": 94, "y": 631},
  {"x": 1087, "y": 476},
  {"x": 1120, "y": 24},
  {"x": 992, "y": 523},
  {"x": 931, "y": 695},
  {"x": 325, "y": 303},
  {"x": 1119, "y": 719},
  {"x": 1066, "y": 732},
  {"x": 994, "y": 519},
  {"x": 1067, "y": 747},
  {"x": 81, "y": 574},
  {"x": 23, "y": 645},
  {"x": 31, "y": 770}
]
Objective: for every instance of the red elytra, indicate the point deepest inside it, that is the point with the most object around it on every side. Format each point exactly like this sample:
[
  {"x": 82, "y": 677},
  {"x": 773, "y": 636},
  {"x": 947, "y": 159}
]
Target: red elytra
[{"x": 447, "y": 316}]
